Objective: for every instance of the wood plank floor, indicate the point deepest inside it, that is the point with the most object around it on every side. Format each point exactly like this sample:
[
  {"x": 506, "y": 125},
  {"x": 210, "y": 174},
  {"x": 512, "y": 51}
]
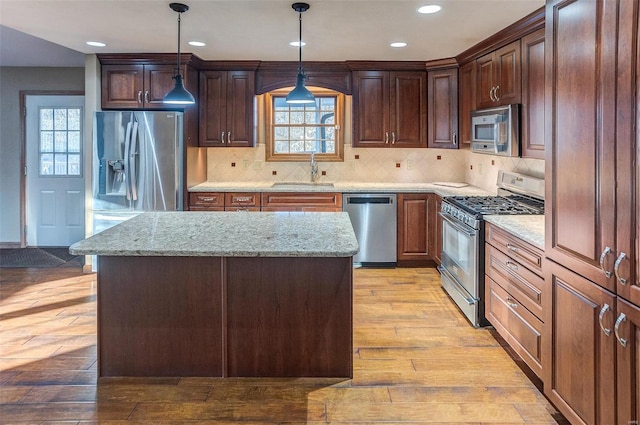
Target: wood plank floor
[{"x": 416, "y": 360}]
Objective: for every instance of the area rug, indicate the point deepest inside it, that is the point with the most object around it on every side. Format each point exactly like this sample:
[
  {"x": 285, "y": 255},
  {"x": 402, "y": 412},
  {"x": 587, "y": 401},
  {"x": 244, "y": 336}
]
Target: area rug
[{"x": 35, "y": 257}]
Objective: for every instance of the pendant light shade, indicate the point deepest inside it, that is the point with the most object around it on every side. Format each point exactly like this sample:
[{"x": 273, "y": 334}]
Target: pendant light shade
[
  {"x": 300, "y": 94},
  {"x": 179, "y": 95}
]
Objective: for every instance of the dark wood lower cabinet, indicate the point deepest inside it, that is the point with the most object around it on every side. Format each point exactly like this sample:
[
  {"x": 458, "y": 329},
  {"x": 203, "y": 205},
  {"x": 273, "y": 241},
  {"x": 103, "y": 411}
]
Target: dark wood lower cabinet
[
  {"x": 580, "y": 356},
  {"x": 219, "y": 317},
  {"x": 416, "y": 224},
  {"x": 628, "y": 361}
]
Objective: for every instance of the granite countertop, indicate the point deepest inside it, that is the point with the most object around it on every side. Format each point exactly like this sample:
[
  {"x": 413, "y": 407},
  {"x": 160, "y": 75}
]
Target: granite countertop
[
  {"x": 226, "y": 234},
  {"x": 342, "y": 187},
  {"x": 529, "y": 228}
]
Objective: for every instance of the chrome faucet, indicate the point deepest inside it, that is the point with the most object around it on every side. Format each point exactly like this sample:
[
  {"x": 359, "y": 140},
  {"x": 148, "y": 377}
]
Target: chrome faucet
[{"x": 314, "y": 168}]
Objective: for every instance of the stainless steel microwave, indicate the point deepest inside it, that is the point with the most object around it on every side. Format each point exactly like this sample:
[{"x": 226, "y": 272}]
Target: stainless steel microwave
[{"x": 496, "y": 131}]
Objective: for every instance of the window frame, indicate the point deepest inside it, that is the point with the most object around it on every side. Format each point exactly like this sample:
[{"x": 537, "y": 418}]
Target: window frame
[{"x": 337, "y": 156}]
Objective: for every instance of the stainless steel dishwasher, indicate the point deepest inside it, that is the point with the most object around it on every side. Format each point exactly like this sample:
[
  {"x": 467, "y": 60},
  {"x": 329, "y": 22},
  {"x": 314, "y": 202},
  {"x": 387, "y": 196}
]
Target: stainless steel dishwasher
[{"x": 373, "y": 216}]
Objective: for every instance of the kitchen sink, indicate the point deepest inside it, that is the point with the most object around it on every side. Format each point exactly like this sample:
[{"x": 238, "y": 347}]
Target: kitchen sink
[{"x": 302, "y": 184}]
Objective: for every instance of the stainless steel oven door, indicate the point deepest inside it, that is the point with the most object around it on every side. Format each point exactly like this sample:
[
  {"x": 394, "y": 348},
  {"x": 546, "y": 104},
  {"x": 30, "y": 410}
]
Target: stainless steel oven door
[{"x": 460, "y": 254}]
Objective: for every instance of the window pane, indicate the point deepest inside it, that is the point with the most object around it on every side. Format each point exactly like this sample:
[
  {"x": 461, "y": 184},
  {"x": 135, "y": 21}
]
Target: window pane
[
  {"x": 60, "y": 141},
  {"x": 297, "y": 117},
  {"x": 310, "y": 146},
  {"x": 297, "y": 133},
  {"x": 46, "y": 141},
  {"x": 281, "y": 133},
  {"x": 282, "y": 117},
  {"x": 74, "y": 119},
  {"x": 282, "y": 146},
  {"x": 310, "y": 134},
  {"x": 329, "y": 133},
  {"x": 74, "y": 165},
  {"x": 60, "y": 119},
  {"x": 46, "y": 164},
  {"x": 60, "y": 164},
  {"x": 328, "y": 118},
  {"x": 297, "y": 146},
  {"x": 327, "y": 104},
  {"x": 74, "y": 141},
  {"x": 46, "y": 119},
  {"x": 279, "y": 103},
  {"x": 310, "y": 117}
]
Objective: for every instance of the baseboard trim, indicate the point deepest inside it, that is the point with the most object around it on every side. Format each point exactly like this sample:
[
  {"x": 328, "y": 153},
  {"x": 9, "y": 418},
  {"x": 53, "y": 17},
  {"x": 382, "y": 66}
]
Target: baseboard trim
[{"x": 10, "y": 245}]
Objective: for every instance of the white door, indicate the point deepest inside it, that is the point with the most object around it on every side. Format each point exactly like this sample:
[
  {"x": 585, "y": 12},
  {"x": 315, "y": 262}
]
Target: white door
[{"x": 55, "y": 180}]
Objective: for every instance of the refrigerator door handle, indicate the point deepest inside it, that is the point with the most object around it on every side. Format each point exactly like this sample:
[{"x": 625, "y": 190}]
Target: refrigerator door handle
[
  {"x": 132, "y": 165},
  {"x": 127, "y": 179}
]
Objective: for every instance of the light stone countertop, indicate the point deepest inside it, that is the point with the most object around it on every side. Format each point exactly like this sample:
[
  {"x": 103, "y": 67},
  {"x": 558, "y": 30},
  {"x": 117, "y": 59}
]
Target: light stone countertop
[
  {"x": 226, "y": 234},
  {"x": 342, "y": 187},
  {"x": 529, "y": 228}
]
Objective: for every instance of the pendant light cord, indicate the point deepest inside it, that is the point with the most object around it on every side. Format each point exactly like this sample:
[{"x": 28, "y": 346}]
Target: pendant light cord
[
  {"x": 300, "y": 43},
  {"x": 178, "y": 64}
]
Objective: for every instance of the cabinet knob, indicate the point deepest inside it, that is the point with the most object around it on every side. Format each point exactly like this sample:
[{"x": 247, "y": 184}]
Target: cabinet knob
[{"x": 511, "y": 303}]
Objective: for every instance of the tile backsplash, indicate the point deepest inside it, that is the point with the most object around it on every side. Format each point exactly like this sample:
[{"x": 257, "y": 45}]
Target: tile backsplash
[{"x": 374, "y": 165}]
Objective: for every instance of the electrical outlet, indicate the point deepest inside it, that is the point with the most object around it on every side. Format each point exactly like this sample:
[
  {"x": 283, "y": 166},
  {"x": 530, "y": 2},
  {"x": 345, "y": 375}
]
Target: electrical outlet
[
  {"x": 245, "y": 163},
  {"x": 411, "y": 164},
  {"x": 480, "y": 169},
  {"x": 257, "y": 165}
]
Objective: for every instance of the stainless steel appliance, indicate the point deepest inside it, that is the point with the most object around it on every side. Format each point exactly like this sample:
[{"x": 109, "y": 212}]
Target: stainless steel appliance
[
  {"x": 496, "y": 131},
  {"x": 137, "y": 164},
  {"x": 373, "y": 217},
  {"x": 462, "y": 269}
]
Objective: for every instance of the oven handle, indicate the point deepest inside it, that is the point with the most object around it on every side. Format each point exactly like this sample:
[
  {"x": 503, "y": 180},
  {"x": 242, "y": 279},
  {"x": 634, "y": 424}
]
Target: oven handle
[{"x": 458, "y": 227}]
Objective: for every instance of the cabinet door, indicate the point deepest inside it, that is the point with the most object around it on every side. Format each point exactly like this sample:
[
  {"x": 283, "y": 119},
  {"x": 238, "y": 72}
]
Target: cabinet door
[
  {"x": 467, "y": 101},
  {"x": 579, "y": 357},
  {"x": 627, "y": 158},
  {"x": 122, "y": 86},
  {"x": 507, "y": 77},
  {"x": 371, "y": 109},
  {"x": 437, "y": 254},
  {"x": 484, "y": 81},
  {"x": 213, "y": 108},
  {"x": 240, "y": 94},
  {"x": 408, "y": 115},
  {"x": 415, "y": 226},
  {"x": 532, "y": 123},
  {"x": 580, "y": 126},
  {"x": 628, "y": 362},
  {"x": 158, "y": 81},
  {"x": 442, "y": 107}
]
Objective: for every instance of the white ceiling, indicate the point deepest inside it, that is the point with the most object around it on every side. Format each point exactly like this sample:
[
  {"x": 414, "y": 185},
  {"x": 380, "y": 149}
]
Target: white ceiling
[{"x": 334, "y": 30}]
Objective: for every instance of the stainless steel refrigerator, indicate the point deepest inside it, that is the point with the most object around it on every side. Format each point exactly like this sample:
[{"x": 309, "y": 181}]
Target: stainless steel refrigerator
[{"x": 138, "y": 157}]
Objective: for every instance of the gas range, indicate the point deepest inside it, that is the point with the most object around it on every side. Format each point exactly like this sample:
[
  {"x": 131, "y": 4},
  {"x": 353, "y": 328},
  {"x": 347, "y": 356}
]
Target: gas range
[{"x": 462, "y": 268}]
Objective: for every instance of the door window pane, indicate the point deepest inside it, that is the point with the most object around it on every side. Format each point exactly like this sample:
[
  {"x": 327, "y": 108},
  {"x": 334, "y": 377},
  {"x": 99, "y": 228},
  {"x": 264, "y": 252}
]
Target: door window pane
[{"x": 60, "y": 141}]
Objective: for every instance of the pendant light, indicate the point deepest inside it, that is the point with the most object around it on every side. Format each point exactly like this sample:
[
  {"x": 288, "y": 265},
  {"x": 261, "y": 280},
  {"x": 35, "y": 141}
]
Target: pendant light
[
  {"x": 179, "y": 95},
  {"x": 300, "y": 94}
]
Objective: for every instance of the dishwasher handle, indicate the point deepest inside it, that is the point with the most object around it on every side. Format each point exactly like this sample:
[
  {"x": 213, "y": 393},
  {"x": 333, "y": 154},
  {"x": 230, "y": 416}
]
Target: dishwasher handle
[{"x": 370, "y": 200}]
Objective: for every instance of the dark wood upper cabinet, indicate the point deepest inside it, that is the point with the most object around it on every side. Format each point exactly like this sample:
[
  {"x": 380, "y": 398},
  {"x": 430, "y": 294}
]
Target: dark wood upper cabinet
[
  {"x": 442, "y": 108},
  {"x": 390, "y": 109},
  {"x": 467, "y": 100},
  {"x": 532, "y": 109},
  {"x": 227, "y": 108},
  {"x": 498, "y": 77}
]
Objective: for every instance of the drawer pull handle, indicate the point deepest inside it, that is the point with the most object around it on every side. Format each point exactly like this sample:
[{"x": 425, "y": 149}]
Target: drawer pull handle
[
  {"x": 512, "y": 248},
  {"x": 242, "y": 209},
  {"x": 229, "y": 136},
  {"x": 139, "y": 96},
  {"x": 604, "y": 254},
  {"x": 511, "y": 303},
  {"x": 222, "y": 137},
  {"x": 604, "y": 310},
  {"x": 386, "y": 137},
  {"x": 146, "y": 96},
  {"x": 621, "y": 319},
  {"x": 208, "y": 199},
  {"x": 243, "y": 199},
  {"x": 512, "y": 265},
  {"x": 616, "y": 268}
]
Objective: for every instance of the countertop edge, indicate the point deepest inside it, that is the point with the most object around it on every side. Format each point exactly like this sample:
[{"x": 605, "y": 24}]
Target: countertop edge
[{"x": 529, "y": 228}]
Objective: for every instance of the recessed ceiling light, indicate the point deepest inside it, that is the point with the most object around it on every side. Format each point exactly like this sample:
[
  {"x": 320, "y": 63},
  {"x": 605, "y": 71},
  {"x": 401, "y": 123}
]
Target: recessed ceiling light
[
  {"x": 398, "y": 44},
  {"x": 430, "y": 8},
  {"x": 96, "y": 43},
  {"x": 298, "y": 43},
  {"x": 197, "y": 43}
]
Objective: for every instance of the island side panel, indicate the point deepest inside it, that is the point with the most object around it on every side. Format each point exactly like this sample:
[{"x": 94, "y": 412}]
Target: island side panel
[
  {"x": 160, "y": 316},
  {"x": 290, "y": 317}
]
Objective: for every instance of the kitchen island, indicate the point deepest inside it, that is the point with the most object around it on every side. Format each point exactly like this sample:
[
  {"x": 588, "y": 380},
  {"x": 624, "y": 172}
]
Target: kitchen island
[{"x": 225, "y": 294}]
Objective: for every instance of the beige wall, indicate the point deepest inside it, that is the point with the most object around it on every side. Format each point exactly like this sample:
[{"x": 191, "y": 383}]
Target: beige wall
[{"x": 12, "y": 81}]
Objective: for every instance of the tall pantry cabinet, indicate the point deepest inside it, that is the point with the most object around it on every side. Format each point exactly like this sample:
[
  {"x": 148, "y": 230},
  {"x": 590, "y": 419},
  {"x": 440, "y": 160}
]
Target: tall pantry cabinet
[{"x": 592, "y": 224}]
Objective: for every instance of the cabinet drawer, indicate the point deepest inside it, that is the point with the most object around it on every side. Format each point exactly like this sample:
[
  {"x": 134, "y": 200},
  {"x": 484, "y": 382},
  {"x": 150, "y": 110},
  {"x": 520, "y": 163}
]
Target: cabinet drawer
[
  {"x": 526, "y": 286},
  {"x": 306, "y": 200},
  {"x": 526, "y": 253},
  {"x": 241, "y": 208},
  {"x": 242, "y": 199},
  {"x": 521, "y": 329},
  {"x": 212, "y": 201}
]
